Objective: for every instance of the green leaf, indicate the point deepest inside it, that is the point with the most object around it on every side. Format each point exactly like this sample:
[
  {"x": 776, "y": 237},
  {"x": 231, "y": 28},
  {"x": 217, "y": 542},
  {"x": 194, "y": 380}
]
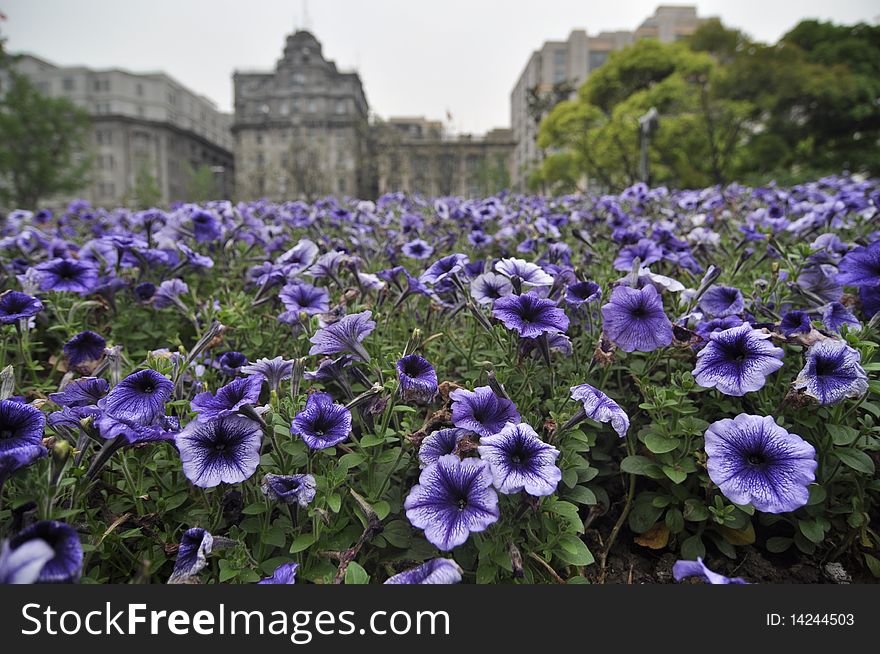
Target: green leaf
[
  {"x": 674, "y": 520},
  {"x": 334, "y": 501},
  {"x": 371, "y": 440},
  {"x": 842, "y": 435},
  {"x": 855, "y": 459},
  {"x": 581, "y": 495},
  {"x": 351, "y": 460},
  {"x": 659, "y": 444},
  {"x": 643, "y": 516},
  {"x": 302, "y": 542},
  {"x": 677, "y": 476},
  {"x": 398, "y": 533},
  {"x": 812, "y": 530},
  {"x": 873, "y": 564},
  {"x": 695, "y": 510},
  {"x": 692, "y": 547},
  {"x": 639, "y": 465},
  {"x": 382, "y": 509},
  {"x": 255, "y": 509},
  {"x": 570, "y": 477},
  {"x": 573, "y": 551},
  {"x": 355, "y": 574}
]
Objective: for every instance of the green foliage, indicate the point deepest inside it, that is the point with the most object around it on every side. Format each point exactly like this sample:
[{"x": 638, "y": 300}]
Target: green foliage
[
  {"x": 43, "y": 144},
  {"x": 146, "y": 189}
]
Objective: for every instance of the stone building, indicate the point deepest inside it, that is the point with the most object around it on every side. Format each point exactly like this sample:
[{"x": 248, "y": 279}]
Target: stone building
[
  {"x": 555, "y": 72},
  {"x": 300, "y": 130},
  {"x": 144, "y": 126},
  {"x": 416, "y": 155}
]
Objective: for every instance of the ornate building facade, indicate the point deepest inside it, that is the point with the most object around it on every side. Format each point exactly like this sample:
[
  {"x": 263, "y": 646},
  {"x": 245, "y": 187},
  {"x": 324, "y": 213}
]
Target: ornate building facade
[{"x": 302, "y": 129}]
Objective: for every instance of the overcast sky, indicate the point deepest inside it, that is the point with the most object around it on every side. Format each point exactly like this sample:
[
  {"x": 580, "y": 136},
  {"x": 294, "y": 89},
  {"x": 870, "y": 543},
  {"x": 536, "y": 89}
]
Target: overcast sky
[{"x": 415, "y": 57}]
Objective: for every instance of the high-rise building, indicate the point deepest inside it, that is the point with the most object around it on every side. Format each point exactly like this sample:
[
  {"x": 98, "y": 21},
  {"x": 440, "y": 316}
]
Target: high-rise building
[
  {"x": 555, "y": 72},
  {"x": 300, "y": 130},
  {"x": 415, "y": 155},
  {"x": 145, "y": 125}
]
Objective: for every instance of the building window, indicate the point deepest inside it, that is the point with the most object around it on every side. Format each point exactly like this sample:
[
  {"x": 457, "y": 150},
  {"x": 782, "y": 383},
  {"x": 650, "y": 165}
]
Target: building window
[
  {"x": 340, "y": 107},
  {"x": 261, "y": 159},
  {"x": 298, "y": 78},
  {"x": 284, "y": 108},
  {"x": 259, "y": 139},
  {"x": 139, "y": 89},
  {"x": 559, "y": 57},
  {"x": 559, "y": 75},
  {"x": 42, "y": 87},
  {"x": 69, "y": 84},
  {"x": 172, "y": 98},
  {"x": 313, "y": 106},
  {"x": 597, "y": 58},
  {"x": 341, "y": 185}
]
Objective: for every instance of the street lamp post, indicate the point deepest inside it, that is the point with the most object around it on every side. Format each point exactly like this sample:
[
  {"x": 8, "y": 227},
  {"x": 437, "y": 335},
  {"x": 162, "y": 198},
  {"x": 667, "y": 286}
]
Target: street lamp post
[{"x": 647, "y": 126}]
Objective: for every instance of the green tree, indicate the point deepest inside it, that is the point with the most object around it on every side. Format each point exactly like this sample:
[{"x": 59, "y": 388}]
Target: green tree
[
  {"x": 146, "y": 189},
  {"x": 43, "y": 143},
  {"x": 201, "y": 184}
]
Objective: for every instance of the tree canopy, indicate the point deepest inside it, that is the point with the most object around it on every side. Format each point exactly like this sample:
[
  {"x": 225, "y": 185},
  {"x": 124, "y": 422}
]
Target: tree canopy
[{"x": 729, "y": 109}]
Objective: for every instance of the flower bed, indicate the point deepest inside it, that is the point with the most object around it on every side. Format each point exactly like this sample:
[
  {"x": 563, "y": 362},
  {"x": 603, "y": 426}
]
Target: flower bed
[{"x": 513, "y": 389}]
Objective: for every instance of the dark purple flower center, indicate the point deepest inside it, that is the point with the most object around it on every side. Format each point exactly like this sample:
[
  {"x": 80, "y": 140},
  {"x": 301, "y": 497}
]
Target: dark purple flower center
[{"x": 756, "y": 459}]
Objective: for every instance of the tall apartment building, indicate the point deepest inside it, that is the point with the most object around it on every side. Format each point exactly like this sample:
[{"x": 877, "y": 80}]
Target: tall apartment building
[
  {"x": 301, "y": 129},
  {"x": 559, "y": 68},
  {"x": 143, "y": 124},
  {"x": 415, "y": 155}
]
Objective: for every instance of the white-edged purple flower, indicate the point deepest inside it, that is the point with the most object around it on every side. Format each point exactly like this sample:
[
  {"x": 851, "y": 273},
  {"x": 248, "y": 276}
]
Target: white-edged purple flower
[
  {"x": 530, "y": 316},
  {"x": 435, "y": 571},
  {"x": 520, "y": 460},
  {"x": 737, "y": 361},
  {"x": 15, "y": 306},
  {"x": 439, "y": 443},
  {"x": 299, "y": 297},
  {"x": 684, "y": 569},
  {"x": 274, "y": 371},
  {"x": 139, "y": 398},
  {"x": 344, "y": 336},
  {"x": 722, "y": 301},
  {"x": 481, "y": 410},
  {"x": 601, "y": 408},
  {"x": 68, "y": 275},
  {"x": 417, "y": 379},
  {"x": 634, "y": 319},
  {"x": 196, "y": 545},
  {"x": 490, "y": 286},
  {"x": 322, "y": 424},
  {"x": 290, "y": 489},
  {"x": 417, "y": 249},
  {"x": 754, "y": 461},
  {"x": 581, "y": 293},
  {"x": 861, "y": 266},
  {"x": 443, "y": 269},
  {"x": 835, "y": 315},
  {"x": 228, "y": 400},
  {"x": 223, "y": 451},
  {"x": 833, "y": 372},
  {"x": 531, "y": 274},
  {"x": 23, "y": 564},
  {"x": 284, "y": 574},
  {"x": 85, "y": 347},
  {"x": 65, "y": 565},
  {"x": 452, "y": 500}
]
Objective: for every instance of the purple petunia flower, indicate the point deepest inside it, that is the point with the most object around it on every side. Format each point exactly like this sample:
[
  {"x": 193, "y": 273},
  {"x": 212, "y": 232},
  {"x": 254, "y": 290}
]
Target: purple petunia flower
[
  {"x": 284, "y": 574},
  {"x": 581, "y": 293},
  {"x": 435, "y": 571},
  {"x": 835, "y": 315},
  {"x": 228, "y": 400},
  {"x": 15, "y": 306},
  {"x": 737, "y": 361},
  {"x": 139, "y": 398},
  {"x": 645, "y": 250},
  {"x": 683, "y": 569},
  {"x": 530, "y": 274},
  {"x": 81, "y": 392},
  {"x": 795, "y": 322},
  {"x": 205, "y": 226},
  {"x": 601, "y": 408},
  {"x": 21, "y": 436},
  {"x": 299, "y": 297},
  {"x": 68, "y": 275},
  {"x": 274, "y": 371},
  {"x": 290, "y": 489},
  {"x": 196, "y": 545},
  {"x": 85, "y": 347},
  {"x": 635, "y": 320},
  {"x": 488, "y": 287},
  {"x": 439, "y": 443},
  {"x": 226, "y": 450},
  {"x": 443, "y": 269},
  {"x": 231, "y": 362},
  {"x": 833, "y": 373},
  {"x": 529, "y": 315},
  {"x": 481, "y": 411},
  {"x": 861, "y": 267},
  {"x": 417, "y": 249},
  {"x": 417, "y": 379},
  {"x": 452, "y": 500},
  {"x": 23, "y": 565},
  {"x": 520, "y": 460},
  {"x": 722, "y": 301},
  {"x": 754, "y": 461},
  {"x": 322, "y": 424},
  {"x": 65, "y": 566},
  {"x": 344, "y": 336},
  {"x": 869, "y": 296},
  {"x": 169, "y": 293}
]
